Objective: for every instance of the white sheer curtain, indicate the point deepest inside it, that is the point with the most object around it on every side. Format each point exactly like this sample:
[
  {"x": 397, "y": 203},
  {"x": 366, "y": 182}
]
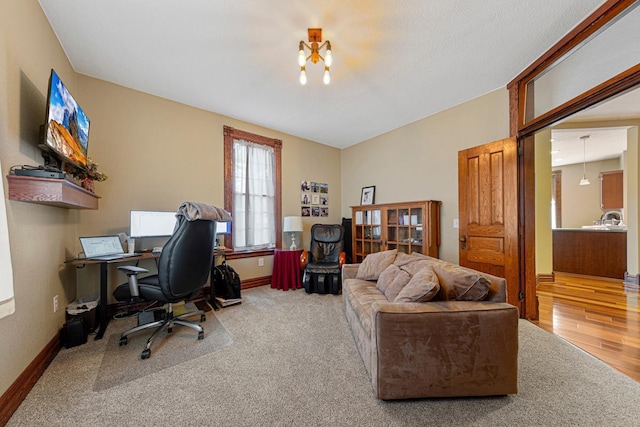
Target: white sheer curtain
[
  {"x": 7, "y": 303},
  {"x": 253, "y": 195}
]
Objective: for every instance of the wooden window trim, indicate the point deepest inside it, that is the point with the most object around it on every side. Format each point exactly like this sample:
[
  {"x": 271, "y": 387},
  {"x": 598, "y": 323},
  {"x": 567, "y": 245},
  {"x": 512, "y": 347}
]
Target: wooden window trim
[
  {"x": 616, "y": 85},
  {"x": 229, "y": 135}
]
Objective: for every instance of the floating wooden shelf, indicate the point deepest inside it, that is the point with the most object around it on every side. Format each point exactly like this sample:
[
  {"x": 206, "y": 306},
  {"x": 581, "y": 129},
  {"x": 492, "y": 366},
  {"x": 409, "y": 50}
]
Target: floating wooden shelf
[{"x": 50, "y": 191}]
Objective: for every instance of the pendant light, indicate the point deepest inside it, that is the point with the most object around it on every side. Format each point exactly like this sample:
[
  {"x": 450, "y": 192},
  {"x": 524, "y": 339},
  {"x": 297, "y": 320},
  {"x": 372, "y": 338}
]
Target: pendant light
[{"x": 584, "y": 180}]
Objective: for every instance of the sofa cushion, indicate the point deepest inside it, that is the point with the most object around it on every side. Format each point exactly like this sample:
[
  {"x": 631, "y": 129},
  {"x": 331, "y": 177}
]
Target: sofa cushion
[
  {"x": 403, "y": 259},
  {"x": 360, "y": 295},
  {"x": 422, "y": 287},
  {"x": 400, "y": 280},
  {"x": 374, "y": 264},
  {"x": 458, "y": 283},
  {"x": 386, "y": 277}
]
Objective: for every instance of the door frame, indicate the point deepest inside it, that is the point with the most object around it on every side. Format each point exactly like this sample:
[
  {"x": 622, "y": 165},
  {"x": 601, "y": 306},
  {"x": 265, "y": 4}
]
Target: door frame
[{"x": 524, "y": 130}]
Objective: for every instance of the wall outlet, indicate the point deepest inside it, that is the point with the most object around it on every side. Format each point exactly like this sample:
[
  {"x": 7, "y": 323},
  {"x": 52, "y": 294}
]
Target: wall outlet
[
  {"x": 456, "y": 223},
  {"x": 260, "y": 262},
  {"x": 55, "y": 303}
]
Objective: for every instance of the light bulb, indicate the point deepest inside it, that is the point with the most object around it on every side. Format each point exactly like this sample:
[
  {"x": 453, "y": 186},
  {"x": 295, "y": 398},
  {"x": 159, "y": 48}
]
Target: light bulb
[
  {"x": 301, "y": 58},
  {"x": 328, "y": 58},
  {"x": 327, "y": 77},
  {"x": 303, "y": 76}
]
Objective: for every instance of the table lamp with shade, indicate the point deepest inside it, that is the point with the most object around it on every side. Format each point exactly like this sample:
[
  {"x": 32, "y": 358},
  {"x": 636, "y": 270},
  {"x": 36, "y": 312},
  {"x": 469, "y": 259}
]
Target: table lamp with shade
[{"x": 293, "y": 225}]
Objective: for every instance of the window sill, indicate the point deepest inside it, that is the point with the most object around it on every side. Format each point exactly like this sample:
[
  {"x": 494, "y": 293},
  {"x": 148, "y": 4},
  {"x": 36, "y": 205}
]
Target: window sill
[{"x": 249, "y": 254}]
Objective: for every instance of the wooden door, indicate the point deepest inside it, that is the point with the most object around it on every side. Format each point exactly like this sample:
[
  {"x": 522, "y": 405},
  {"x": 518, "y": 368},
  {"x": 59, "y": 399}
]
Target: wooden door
[{"x": 488, "y": 204}]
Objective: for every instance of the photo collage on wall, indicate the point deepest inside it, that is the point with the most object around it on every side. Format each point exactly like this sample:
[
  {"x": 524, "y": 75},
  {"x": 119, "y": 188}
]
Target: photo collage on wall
[{"x": 314, "y": 198}]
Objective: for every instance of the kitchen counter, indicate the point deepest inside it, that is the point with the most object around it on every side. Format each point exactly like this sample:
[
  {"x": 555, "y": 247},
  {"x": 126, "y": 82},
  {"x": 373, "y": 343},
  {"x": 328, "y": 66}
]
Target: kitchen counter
[
  {"x": 590, "y": 251},
  {"x": 596, "y": 228}
]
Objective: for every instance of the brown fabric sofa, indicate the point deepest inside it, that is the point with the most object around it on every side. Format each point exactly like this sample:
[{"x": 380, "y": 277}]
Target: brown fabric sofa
[{"x": 440, "y": 348}]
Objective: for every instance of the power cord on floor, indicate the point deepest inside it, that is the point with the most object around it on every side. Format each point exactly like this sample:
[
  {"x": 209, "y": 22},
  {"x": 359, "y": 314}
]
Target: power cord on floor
[{"x": 131, "y": 313}]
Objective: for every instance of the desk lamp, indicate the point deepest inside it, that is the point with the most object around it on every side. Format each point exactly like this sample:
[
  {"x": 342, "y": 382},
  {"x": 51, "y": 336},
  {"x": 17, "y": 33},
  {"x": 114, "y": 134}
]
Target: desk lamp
[{"x": 292, "y": 224}]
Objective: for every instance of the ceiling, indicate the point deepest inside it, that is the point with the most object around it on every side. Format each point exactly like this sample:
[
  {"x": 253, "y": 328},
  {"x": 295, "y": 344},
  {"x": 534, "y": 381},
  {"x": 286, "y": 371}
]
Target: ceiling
[
  {"x": 395, "y": 61},
  {"x": 603, "y": 143}
]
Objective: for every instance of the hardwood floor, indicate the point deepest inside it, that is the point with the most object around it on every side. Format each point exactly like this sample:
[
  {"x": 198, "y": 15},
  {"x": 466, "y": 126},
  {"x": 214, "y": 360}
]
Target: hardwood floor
[{"x": 598, "y": 315}]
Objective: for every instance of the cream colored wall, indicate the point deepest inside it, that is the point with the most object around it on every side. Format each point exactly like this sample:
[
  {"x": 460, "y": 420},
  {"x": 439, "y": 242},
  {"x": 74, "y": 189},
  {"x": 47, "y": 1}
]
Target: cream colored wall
[
  {"x": 41, "y": 237},
  {"x": 159, "y": 153},
  {"x": 632, "y": 207},
  {"x": 419, "y": 161},
  {"x": 544, "y": 236},
  {"x": 581, "y": 203}
]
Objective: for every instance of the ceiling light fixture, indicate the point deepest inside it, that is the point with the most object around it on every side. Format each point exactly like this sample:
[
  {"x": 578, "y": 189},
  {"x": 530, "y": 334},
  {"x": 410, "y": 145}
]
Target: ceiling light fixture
[
  {"x": 584, "y": 180},
  {"x": 315, "y": 38}
]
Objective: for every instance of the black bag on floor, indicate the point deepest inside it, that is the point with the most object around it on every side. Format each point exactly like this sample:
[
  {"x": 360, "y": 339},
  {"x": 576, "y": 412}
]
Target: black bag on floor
[{"x": 226, "y": 282}]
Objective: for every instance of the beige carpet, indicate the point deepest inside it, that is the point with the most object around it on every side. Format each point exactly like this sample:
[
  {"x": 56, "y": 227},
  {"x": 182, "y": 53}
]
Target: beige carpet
[
  {"x": 122, "y": 364},
  {"x": 293, "y": 362}
]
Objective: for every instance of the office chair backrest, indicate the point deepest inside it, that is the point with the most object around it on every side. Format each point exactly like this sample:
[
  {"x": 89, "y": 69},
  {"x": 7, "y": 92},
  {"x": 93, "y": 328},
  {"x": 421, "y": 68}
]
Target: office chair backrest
[
  {"x": 185, "y": 261},
  {"x": 326, "y": 242}
]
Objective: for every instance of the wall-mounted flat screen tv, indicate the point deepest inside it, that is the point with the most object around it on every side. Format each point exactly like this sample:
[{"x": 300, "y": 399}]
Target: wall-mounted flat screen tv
[{"x": 66, "y": 132}]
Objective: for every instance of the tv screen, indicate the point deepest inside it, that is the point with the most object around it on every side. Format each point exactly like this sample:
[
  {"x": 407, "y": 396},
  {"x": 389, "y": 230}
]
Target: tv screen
[{"x": 67, "y": 127}]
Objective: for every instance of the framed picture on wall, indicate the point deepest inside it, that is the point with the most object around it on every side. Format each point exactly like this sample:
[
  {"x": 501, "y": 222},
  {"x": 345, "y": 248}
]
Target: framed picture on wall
[{"x": 368, "y": 195}]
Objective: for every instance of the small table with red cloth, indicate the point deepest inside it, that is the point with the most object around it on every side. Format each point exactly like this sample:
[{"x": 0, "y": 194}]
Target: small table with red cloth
[{"x": 286, "y": 269}]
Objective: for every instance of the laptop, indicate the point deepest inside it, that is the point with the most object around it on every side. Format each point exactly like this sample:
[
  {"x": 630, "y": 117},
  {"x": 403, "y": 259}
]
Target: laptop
[{"x": 103, "y": 248}]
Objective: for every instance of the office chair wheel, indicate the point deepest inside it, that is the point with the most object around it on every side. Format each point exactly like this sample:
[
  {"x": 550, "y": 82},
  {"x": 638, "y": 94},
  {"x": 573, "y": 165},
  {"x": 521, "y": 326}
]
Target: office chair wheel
[
  {"x": 203, "y": 318},
  {"x": 123, "y": 341},
  {"x": 145, "y": 353},
  {"x": 201, "y": 335}
]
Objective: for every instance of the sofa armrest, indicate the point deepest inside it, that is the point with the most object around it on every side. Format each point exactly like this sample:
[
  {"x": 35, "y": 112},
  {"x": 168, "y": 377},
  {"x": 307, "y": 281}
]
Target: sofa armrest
[
  {"x": 444, "y": 348},
  {"x": 349, "y": 271}
]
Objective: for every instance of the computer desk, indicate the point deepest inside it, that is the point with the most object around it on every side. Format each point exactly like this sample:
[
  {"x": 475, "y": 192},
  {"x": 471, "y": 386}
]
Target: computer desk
[{"x": 103, "y": 320}]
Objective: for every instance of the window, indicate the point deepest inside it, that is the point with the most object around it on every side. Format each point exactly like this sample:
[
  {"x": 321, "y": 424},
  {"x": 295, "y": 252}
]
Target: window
[{"x": 252, "y": 171}]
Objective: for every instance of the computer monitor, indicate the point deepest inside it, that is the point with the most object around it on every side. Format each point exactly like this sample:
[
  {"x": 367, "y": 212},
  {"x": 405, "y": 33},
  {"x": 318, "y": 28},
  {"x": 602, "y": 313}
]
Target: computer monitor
[
  {"x": 223, "y": 228},
  {"x": 152, "y": 223}
]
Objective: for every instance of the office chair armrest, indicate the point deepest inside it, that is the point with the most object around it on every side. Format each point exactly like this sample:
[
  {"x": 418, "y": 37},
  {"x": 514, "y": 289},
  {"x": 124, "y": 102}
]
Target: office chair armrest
[
  {"x": 132, "y": 273},
  {"x": 132, "y": 269}
]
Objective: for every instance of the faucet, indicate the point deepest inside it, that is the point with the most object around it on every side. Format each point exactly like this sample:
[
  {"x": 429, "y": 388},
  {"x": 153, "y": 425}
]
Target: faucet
[{"x": 614, "y": 216}]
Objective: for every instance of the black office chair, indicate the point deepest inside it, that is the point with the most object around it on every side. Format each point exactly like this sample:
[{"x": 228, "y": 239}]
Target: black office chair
[
  {"x": 183, "y": 269},
  {"x": 322, "y": 264}
]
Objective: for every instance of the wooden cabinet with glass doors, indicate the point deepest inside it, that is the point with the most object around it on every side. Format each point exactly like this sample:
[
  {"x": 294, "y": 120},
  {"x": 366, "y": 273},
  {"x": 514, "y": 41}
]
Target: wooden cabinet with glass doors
[{"x": 408, "y": 227}]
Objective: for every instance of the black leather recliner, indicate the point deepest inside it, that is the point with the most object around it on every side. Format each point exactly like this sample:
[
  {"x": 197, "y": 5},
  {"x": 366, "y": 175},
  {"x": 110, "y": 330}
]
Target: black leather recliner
[
  {"x": 322, "y": 264},
  {"x": 183, "y": 269}
]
